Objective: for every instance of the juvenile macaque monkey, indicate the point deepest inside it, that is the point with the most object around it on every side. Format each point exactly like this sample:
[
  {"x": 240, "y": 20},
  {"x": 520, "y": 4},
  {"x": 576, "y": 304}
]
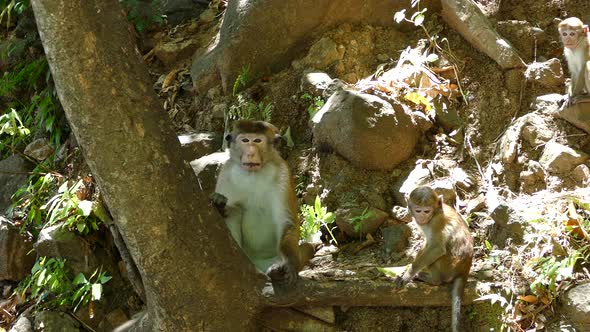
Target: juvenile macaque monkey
[
  {"x": 447, "y": 253},
  {"x": 574, "y": 36},
  {"x": 255, "y": 195}
]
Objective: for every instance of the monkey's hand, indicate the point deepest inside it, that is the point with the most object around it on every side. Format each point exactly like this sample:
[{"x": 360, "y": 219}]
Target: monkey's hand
[
  {"x": 401, "y": 281},
  {"x": 219, "y": 202},
  {"x": 282, "y": 274}
]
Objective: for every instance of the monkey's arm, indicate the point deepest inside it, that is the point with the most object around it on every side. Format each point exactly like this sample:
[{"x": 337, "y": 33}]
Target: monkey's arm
[{"x": 428, "y": 255}]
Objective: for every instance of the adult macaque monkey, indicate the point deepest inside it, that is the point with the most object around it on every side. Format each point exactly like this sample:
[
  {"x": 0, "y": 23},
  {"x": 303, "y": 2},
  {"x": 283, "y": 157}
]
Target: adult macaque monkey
[
  {"x": 575, "y": 39},
  {"x": 255, "y": 195},
  {"x": 446, "y": 256}
]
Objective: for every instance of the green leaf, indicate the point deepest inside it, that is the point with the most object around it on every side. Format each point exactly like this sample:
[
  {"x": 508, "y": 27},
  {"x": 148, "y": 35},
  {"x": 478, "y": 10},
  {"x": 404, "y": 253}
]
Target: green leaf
[
  {"x": 399, "y": 16},
  {"x": 81, "y": 227},
  {"x": 393, "y": 271},
  {"x": 419, "y": 20},
  {"x": 80, "y": 279},
  {"x": 86, "y": 207},
  {"x": 432, "y": 57},
  {"x": 104, "y": 279},
  {"x": 96, "y": 292}
]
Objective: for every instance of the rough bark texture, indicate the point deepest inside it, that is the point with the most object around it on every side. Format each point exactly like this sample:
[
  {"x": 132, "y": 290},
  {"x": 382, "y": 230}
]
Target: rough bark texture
[
  {"x": 194, "y": 280},
  {"x": 468, "y": 20},
  {"x": 365, "y": 294},
  {"x": 267, "y": 34}
]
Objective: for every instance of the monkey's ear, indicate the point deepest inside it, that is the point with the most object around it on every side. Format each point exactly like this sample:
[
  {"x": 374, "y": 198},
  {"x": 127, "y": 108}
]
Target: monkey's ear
[
  {"x": 440, "y": 200},
  {"x": 276, "y": 141},
  {"x": 229, "y": 139},
  {"x": 585, "y": 28}
]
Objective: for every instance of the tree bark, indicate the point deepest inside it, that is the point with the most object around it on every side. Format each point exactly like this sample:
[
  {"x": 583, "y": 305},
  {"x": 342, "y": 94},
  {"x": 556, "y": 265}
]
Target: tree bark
[{"x": 195, "y": 277}]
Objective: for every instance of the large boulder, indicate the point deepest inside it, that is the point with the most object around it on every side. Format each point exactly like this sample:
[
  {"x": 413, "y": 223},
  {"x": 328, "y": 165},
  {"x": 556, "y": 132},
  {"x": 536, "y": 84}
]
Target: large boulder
[
  {"x": 558, "y": 158},
  {"x": 57, "y": 241},
  {"x": 366, "y": 130},
  {"x": 250, "y": 35},
  {"x": 15, "y": 261},
  {"x": 13, "y": 175},
  {"x": 576, "y": 306},
  {"x": 50, "y": 321},
  {"x": 578, "y": 113}
]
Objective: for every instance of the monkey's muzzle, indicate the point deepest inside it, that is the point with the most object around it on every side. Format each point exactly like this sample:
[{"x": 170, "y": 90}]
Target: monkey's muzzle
[{"x": 251, "y": 167}]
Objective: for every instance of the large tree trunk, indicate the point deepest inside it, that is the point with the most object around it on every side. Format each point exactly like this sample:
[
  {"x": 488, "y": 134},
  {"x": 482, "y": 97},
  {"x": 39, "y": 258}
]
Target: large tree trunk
[{"x": 195, "y": 278}]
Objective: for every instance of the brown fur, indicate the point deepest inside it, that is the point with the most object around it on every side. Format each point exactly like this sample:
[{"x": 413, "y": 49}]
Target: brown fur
[{"x": 448, "y": 251}]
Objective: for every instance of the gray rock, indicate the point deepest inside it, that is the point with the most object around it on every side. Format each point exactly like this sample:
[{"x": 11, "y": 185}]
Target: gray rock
[
  {"x": 366, "y": 130},
  {"x": 23, "y": 324},
  {"x": 315, "y": 82},
  {"x": 531, "y": 128},
  {"x": 582, "y": 174},
  {"x": 578, "y": 114},
  {"x": 13, "y": 175},
  {"x": 548, "y": 104},
  {"x": 321, "y": 54},
  {"x": 558, "y": 158},
  {"x": 448, "y": 118},
  {"x": 178, "y": 11},
  {"x": 548, "y": 74},
  {"x": 576, "y": 306},
  {"x": 475, "y": 205},
  {"x": 506, "y": 226},
  {"x": 396, "y": 238},
  {"x": 198, "y": 144},
  {"x": 39, "y": 149},
  {"x": 420, "y": 175},
  {"x": 51, "y": 321},
  {"x": 250, "y": 31},
  {"x": 467, "y": 18},
  {"x": 56, "y": 241},
  {"x": 172, "y": 51},
  {"x": 444, "y": 187},
  {"x": 15, "y": 261},
  {"x": 207, "y": 167},
  {"x": 374, "y": 219},
  {"x": 526, "y": 36},
  {"x": 533, "y": 178}
]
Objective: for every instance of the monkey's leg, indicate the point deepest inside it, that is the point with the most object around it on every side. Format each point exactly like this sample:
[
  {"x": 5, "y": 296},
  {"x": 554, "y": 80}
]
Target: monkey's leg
[{"x": 285, "y": 272}]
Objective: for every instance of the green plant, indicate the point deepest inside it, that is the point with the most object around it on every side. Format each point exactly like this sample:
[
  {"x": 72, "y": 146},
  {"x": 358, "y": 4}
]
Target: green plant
[
  {"x": 12, "y": 6},
  {"x": 357, "y": 222},
  {"x": 11, "y": 124},
  {"x": 243, "y": 80},
  {"x": 245, "y": 109},
  {"x": 75, "y": 213},
  {"x": 316, "y": 103},
  {"x": 50, "y": 283},
  {"x": 314, "y": 217},
  {"x": 29, "y": 200},
  {"x": 42, "y": 113},
  {"x": 144, "y": 14},
  {"x": 551, "y": 271}
]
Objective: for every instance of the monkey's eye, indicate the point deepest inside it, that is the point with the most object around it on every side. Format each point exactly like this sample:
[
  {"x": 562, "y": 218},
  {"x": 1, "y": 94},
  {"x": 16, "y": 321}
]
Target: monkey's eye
[
  {"x": 257, "y": 140},
  {"x": 245, "y": 140},
  {"x": 572, "y": 33},
  {"x": 564, "y": 34}
]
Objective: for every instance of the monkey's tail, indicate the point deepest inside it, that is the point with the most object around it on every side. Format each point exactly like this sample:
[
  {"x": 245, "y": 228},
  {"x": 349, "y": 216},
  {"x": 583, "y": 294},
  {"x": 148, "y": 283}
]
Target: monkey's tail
[{"x": 456, "y": 295}]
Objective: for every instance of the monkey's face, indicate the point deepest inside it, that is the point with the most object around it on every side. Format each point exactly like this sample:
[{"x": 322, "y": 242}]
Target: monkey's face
[
  {"x": 252, "y": 149},
  {"x": 422, "y": 214},
  {"x": 571, "y": 35}
]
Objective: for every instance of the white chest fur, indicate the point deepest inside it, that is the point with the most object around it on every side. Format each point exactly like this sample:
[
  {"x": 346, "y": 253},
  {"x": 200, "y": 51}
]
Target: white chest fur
[{"x": 261, "y": 199}]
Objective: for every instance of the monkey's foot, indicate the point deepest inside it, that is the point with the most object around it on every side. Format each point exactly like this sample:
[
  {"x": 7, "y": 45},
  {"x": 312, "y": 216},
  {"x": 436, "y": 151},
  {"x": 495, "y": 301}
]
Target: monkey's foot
[
  {"x": 219, "y": 202},
  {"x": 282, "y": 274}
]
